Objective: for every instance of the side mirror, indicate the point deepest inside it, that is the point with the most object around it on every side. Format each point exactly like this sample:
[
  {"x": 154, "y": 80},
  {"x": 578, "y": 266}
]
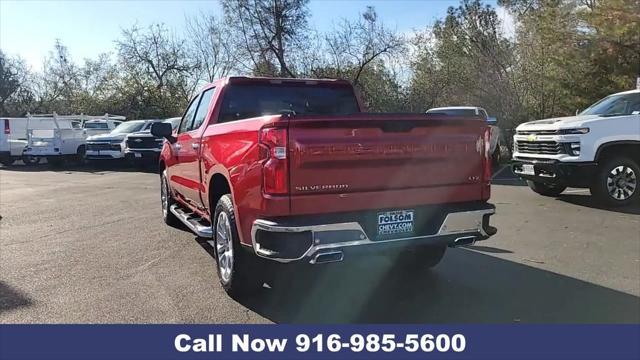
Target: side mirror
[
  {"x": 163, "y": 130},
  {"x": 577, "y": 112},
  {"x": 491, "y": 120}
]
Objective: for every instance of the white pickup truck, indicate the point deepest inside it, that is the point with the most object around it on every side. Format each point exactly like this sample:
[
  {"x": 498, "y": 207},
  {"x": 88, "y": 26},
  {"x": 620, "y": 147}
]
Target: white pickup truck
[
  {"x": 112, "y": 145},
  {"x": 59, "y": 138},
  {"x": 597, "y": 149}
]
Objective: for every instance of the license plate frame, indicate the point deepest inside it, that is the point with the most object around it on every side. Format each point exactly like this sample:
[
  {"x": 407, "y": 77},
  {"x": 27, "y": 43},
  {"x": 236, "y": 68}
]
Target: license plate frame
[{"x": 395, "y": 223}]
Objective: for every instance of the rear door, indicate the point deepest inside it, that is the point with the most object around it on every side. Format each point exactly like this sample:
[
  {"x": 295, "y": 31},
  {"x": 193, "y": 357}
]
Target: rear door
[{"x": 369, "y": 158}]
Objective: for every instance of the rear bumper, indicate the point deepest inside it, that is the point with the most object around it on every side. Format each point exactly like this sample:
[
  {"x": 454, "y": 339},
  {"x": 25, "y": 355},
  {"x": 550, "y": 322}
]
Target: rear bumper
[
  {"x": 572, "y": 174},
  {"x": 288, "y": 241}
]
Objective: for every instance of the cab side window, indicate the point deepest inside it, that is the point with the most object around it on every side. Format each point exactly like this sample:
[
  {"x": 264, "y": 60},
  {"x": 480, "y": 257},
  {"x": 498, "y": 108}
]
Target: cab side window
[
  {"x": 187, "y": 119},
  {"x": 203, "y": 108},
  {"x": 634, "y": 104}
]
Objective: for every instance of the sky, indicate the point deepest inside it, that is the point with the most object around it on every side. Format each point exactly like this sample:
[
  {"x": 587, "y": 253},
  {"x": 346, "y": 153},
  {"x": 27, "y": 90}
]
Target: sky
[{"x": 29, "y": 28}]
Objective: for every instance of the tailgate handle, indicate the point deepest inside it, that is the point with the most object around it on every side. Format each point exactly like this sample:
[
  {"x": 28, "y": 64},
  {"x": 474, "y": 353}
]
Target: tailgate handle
[{"x": 397, "y": 126}]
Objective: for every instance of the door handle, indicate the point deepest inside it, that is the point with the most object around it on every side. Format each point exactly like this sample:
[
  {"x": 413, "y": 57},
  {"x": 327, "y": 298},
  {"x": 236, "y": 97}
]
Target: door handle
[
  {"x": 177, "y": 146},
  {"x": 195, "y": 145}
]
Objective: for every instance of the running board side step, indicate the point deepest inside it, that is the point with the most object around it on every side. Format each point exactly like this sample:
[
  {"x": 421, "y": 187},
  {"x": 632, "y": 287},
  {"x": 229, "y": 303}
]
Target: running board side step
[{"x": 195, "y": 223}]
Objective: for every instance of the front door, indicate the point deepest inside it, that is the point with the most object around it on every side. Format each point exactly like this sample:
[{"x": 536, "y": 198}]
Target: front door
[
  {"x": 189, "y": 152},
  {"x": 180, "y": 151}
]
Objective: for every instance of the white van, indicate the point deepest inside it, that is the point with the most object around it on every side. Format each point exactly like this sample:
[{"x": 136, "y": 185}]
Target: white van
[{"x": 13, "y": 140}]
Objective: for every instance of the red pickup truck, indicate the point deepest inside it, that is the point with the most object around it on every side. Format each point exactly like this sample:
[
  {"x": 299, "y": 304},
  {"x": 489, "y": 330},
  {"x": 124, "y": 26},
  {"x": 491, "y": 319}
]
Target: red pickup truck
[{"x": 292, "y": 170}]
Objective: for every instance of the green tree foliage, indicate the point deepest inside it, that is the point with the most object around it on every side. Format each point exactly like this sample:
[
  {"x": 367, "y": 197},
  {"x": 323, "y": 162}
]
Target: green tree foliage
[
  {"x": 564, "y": 55},
  {"x": 465, "y": 60},
  {"x": 15, "y": 94},
  {"x": 551, "y": 59},
  {"x": 612, "y": 38}
]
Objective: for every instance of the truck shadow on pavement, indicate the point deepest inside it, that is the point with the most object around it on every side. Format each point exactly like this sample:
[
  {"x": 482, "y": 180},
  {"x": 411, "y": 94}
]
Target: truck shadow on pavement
[
  {"x": 589, "y": 201},
  {"x": 94, "y": 167},
  {"x": 505, "y": 176},
  {"x": 467, "y": 287},
  {"x": 11, "y": 298}
]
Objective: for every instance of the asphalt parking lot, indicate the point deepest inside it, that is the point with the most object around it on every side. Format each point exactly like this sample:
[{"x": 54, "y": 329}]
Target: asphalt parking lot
[{"x": 89, "y": 245}]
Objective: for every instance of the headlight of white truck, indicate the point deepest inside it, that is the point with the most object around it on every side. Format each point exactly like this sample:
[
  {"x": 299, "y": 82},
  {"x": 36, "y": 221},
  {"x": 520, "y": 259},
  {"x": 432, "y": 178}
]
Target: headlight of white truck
[{"x": 577, "y": 131}]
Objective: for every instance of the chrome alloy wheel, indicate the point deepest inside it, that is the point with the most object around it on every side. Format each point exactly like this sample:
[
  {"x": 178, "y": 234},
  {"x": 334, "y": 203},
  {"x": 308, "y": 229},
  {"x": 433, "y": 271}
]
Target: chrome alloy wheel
[
  {"x": 164, "y": 196},
  {"x": 622, "y": 182},
  {"x": 224, "y": 247}
]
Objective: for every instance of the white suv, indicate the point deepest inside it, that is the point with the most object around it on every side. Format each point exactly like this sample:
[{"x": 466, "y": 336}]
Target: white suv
[{"x": 597, "y": 149}]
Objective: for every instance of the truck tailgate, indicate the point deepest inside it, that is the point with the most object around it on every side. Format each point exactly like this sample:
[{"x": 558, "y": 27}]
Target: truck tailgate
[{"x": 369, "y": 157}]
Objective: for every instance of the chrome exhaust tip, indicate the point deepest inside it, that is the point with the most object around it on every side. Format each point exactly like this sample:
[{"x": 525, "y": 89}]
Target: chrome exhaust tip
[
  {"x": 327, "y": 257},
  {"x": 463, "y": 241}
]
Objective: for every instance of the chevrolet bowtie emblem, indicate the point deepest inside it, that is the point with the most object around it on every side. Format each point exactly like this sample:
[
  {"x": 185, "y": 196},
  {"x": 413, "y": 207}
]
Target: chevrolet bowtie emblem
[
  {"x": 531, "y": 138},
  {"x": 138, "y": 140}
]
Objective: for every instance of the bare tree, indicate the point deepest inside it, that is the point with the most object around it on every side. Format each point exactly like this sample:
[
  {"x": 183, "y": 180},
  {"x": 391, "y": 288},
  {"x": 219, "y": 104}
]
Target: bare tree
[
  {"x": 210, "y": 45},
  {"x": 155, "y": 53},
  {"x": 59, "y": 83},
  {"x": 356, "y": 44},
  {"x": 97, "y": 75},
  {"x": 311, "y": 60},
  {"x": 268, "y": 29}
]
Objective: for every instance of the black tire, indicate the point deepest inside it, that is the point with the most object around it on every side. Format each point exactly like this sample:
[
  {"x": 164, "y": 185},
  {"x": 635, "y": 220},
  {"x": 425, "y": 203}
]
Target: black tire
[
  {"x": 628, "y": 172},
  {"x": 30, "y": 160},
  {"x": 546, "y": 190},
  {"x": 165, "y": 193},
  {"x": 81, "y": 155},
  {"x": 495, "y": 157},
  {"x": 7, "y": 161},
  {"x": 425, "y": 257},
  {"x": 246, "y": 273}
]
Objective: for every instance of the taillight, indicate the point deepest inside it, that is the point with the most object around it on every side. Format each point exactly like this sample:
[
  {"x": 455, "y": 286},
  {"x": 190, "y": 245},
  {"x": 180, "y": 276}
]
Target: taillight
[
  {"x": 486, "y": 164},
  {"x": 7, "y": 128},
  {"x": 273, "y": 148}
]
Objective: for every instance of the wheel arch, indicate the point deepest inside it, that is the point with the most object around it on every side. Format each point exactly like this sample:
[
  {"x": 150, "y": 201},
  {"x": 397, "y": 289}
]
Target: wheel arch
[
  {"x": 219, "y": 185},
  {"x": 161, "y": 166},
  {"x": 629, "y": 148}
]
